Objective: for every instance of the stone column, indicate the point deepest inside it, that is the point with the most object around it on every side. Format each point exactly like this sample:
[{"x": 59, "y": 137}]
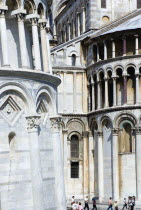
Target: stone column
[
  {"x": 105, "y": 50},
  {"x": 44, "y": 47},
  {"x": 48, "y": 50},
  {"x": 65, "y": 149},
  {"x": 106, "y": 93},
  {"x": 125, "y": 89},
  {"x": 22, "y": 41},
  {"x": 115, "y": 165},
  {"x": 124, "y": 46},
  {"x": 138, "y": 162},
  {"x": 91, "y": 166},
  {"x": 100, "y": 167},
  {"x": 97, "y": 53},
  {"x": 136, "y": 44},
  {"x": 58, "y": 163},
  {"x": 83, "y": 19},
  {"x": 93, "y": 97},
  {"x": 36, "y": 175},
  {"x": 89, "y": 98},
  {"x": 85, "y": 163},
  {"x": 65, "y": 55},
  {"x": 69, "y": 31},
  {"x": 4, "y": 42},
  {"x": 114, "y": 91},
  {"x": 137, "y": 89},
  {"x": 113, "y": 49},
  {"x": 78, "y": 24},
  {"x": 36, "y": 45},
  {"x": 98, "y": 95}
]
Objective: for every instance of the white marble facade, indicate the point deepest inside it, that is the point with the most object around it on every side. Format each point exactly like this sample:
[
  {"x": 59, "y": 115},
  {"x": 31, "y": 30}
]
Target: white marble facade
[{"x": 98, "y": 59}]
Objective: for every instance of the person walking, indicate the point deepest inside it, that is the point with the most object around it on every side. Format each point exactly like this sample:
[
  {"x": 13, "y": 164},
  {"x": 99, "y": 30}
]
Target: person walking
[
  {"x": 94, "y": 205},
  {"x": 116, "y": 205},
  {"x": 110, "y": 204},
  {"x": 86, "y": 203},
  {"x": 124, "y": 204}
]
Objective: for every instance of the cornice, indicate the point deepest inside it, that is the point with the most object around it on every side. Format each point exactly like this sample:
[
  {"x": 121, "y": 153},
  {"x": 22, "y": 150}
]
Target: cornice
[{"x": 30, "y": 74}]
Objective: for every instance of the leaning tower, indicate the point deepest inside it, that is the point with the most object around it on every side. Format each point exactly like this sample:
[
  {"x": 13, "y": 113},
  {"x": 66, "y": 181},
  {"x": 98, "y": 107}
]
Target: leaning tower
[{"x": 30, "y": 146}]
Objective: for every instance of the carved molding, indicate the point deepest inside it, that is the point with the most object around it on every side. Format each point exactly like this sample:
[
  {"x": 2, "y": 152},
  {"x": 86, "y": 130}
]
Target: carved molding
[
  {"x": 55, "y": 123},
  {"x": 33, "y": 122}
]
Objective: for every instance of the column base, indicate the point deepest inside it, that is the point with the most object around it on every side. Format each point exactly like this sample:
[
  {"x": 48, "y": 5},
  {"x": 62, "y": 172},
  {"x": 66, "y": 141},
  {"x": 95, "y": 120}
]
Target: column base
[{"x": 6, "y": 65}]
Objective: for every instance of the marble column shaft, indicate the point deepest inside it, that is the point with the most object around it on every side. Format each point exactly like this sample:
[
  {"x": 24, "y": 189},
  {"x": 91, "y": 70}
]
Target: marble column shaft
[
  {"x": 78, "y": 24},
  {"x": 97, "y": 53},
  {"x": 138, "y": 161},
  {"x": 98, "y": 95},
  {"x": 36, "y": 176},
  {"x": 106, "y": 94},
  {"x": 22, "y": 41},
  {"x": 105, "y": 50},
  {"x": 58, "y": 163},
  {"x": 36, "y": 45},
  {"x": 100, "y": 167},
  {"x": 4, "y": 41},
  {"x": 89, "y": 98},
  {"x": 85, "y": 163},
  {"x": 44, "y": 47},
  {"x": 83, "y": 19},
  {"x": 115, "y": 164},
  {"x": 113, "y": 49},
  {"x": 65, "y": 136},
  {"x": 93, "y": 97},
  {"x": 125, "y": 89},
  {"x": 114, "y": 92},
  {"x": 136, "y": 45},
  {"x": 137, "y": 89}
]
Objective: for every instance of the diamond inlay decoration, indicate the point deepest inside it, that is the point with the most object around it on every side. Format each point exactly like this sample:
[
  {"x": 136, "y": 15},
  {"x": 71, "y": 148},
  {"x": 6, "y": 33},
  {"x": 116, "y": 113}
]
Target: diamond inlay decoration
[{"x": 10, "y": 110}]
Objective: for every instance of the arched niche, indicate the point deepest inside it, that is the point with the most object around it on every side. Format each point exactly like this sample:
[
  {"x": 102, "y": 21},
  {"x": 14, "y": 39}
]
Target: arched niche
[
  {"x": 29, "y": 6},
  {"x": 40, "y": 10},
  {"x": 126, "y": 138},
  {"x": 120, "y": 89},
  {"x": 12, "y": 4}
]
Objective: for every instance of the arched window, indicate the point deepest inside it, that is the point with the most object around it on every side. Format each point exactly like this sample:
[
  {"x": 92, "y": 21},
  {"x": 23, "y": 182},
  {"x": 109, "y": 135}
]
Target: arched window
[
  {"x": 74, "y": 146},
  {"x": 50, "y": 17},
  {"x": 103, "y": 3},
  {"x": 75, "y": 170},
  {"x": 73, "y": 60},
  {"x": 138, "y": 4}
]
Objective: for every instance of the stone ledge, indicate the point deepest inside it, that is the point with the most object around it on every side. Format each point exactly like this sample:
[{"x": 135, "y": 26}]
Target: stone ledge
[
  {"x": 113, "y": 109},
  {"x": 30, "y": 74}
]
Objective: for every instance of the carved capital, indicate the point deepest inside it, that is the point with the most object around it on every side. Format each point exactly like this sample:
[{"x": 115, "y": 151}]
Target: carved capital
[
  {"x": 115, "y": 131},
  {"x": 137, "y": 130},
  {"x": 20, "y": 16},
  {"x": 86, "y": 134},
  {"x": 2, "y": 13},
  {"x": 33, "y": 122},
  {"x": 100, "y": 134},
  {"x": 55, "y": 123},
  {"x": 42, "y": 25},
  {"x": 34, "y": 21}
]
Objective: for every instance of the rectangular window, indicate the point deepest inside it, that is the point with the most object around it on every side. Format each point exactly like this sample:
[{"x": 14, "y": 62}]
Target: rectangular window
[
  {"x": 103, "y": 3},
  {"x": 75, "y": 170},
  {"x": 138, "y": 4}
]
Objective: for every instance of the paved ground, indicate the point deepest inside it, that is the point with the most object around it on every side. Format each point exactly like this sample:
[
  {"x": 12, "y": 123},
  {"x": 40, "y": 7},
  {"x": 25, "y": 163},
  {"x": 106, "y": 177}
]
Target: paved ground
[{"x": 104, "y": 207}]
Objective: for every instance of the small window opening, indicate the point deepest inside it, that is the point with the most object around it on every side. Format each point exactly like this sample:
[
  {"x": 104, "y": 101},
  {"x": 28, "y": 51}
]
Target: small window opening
[
  {"x": 75, "y": 170},
  {"x": 138, "y": 4},
  {"x": 73, "y": 60},
  {"x": 103, "y": 3},
  {"x": 11, "y": 136}
]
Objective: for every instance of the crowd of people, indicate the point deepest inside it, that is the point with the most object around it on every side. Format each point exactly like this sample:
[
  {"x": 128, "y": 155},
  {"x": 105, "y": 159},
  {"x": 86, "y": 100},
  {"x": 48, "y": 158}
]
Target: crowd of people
[{"x": 112, "y": 205}]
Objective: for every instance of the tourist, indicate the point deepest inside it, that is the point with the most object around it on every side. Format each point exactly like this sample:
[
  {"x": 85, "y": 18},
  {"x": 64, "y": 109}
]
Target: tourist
[
  {"x": 75, "y": 205},
  {"x": 94, "y": 205},
  {"x": 80, "y": 207},
  {"x": 124, "y": 204},
  {"x": 86, "y": 203},
  {"x": 72, "y": 200},
  {"x": 116, "y": 205},
  {"x": 110, "y": 204}
]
